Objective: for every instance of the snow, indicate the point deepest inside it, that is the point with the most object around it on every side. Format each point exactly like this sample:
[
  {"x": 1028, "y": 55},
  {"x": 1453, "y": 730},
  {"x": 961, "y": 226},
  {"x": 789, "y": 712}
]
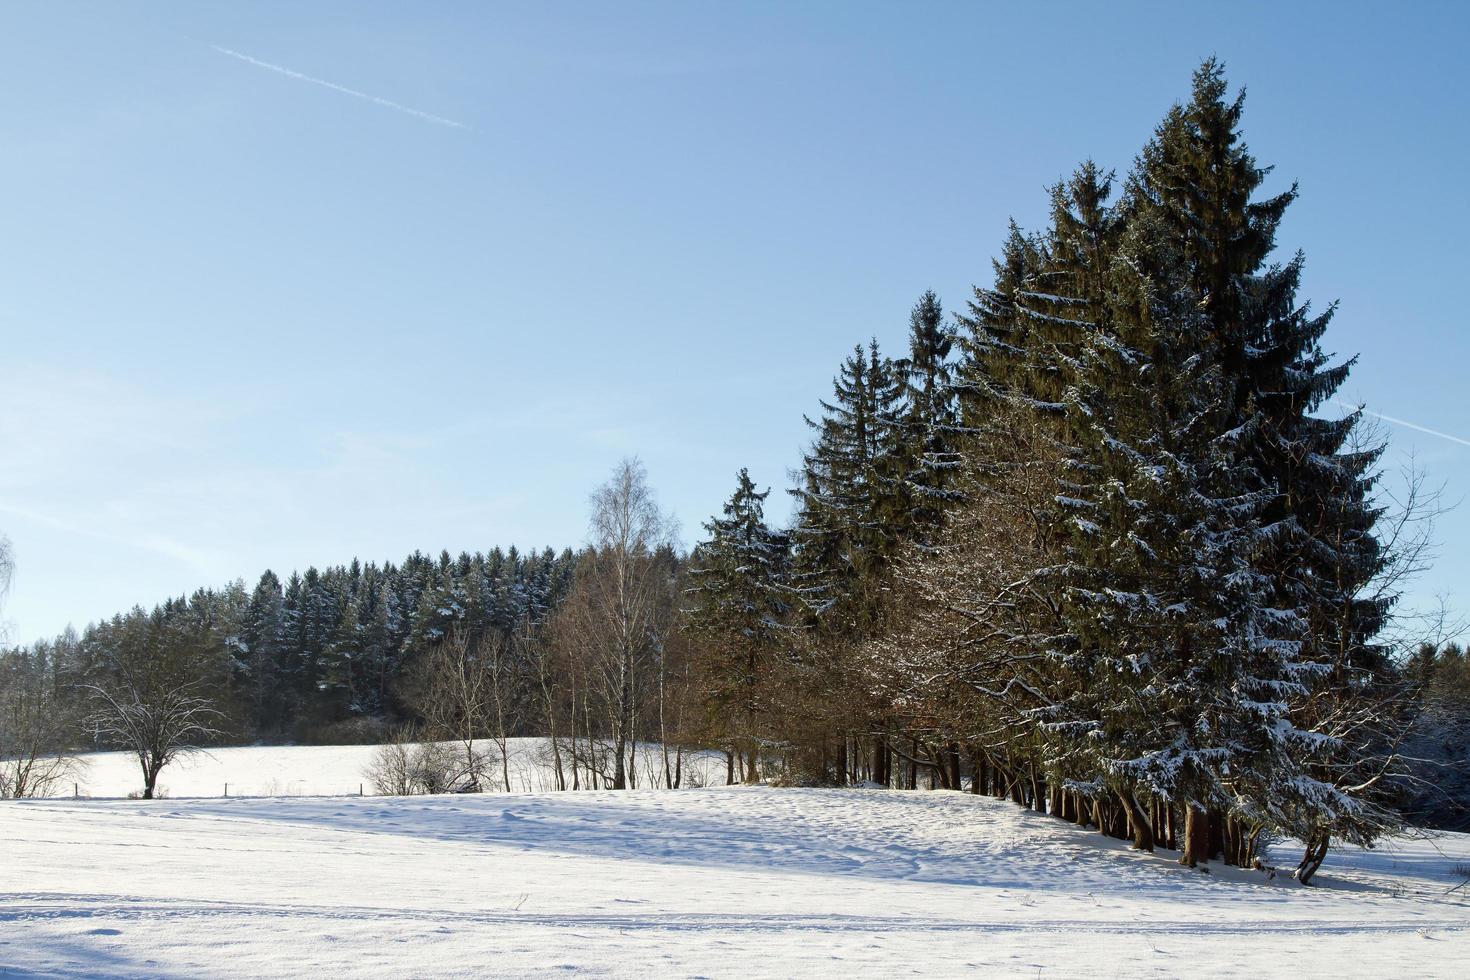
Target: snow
[
  {"x": 718, "y": 882},
  {"x": 326, "y": 770}
]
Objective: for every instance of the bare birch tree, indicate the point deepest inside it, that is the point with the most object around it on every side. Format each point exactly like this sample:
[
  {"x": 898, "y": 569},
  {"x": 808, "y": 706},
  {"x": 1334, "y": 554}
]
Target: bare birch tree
[{"x": 623, "y": 608}]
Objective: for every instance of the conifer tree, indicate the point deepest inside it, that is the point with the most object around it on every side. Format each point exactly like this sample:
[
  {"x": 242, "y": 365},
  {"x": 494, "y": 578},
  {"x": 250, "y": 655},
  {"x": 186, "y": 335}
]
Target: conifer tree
[
  {"x": 1198, "y": 183},
  {"x": 928, "y": 421},
  {"x": 740, "y": 602},
  {"x": 851, "y": 494},
  {"x": 265, "y": 649}
]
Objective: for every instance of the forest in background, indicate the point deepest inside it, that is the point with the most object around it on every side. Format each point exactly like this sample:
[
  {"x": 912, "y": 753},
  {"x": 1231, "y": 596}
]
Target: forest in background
[{"x": 1085, "y": 545}]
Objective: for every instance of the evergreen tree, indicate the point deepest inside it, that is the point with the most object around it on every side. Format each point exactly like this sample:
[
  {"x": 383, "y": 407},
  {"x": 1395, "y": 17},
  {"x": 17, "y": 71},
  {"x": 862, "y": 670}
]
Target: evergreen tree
[
  {"x": 928, "y": 423},
  {"x": 1198, "y": 183},
  {"x": 265, "y": 653},
  {"x": 740, "y": 604},
  {"x": 852, "y": 495}
]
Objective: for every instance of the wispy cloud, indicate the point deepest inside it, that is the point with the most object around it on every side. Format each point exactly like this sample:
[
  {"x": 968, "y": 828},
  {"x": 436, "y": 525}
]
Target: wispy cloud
[
  {"x": 386, "y": 103},
  {"x": 1407, "y": 425}
]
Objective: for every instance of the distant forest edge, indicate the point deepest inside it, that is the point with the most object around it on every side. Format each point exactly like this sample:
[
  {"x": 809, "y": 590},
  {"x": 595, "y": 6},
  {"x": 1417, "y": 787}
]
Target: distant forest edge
[
  {"x": 1085, "y": 546},
  {"x": 327, "y": 656}
]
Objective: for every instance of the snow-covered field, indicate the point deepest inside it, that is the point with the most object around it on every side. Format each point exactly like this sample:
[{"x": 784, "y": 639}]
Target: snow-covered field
[
  {"x": 332, "y": 770},
  {"x": 728, "y": 882}
]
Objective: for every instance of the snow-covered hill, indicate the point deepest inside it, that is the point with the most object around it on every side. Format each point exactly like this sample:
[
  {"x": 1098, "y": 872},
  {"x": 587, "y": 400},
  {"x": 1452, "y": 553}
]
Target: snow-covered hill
[
  {"x": 711, "y": 882},
  {"x": 329, "y": 770}
]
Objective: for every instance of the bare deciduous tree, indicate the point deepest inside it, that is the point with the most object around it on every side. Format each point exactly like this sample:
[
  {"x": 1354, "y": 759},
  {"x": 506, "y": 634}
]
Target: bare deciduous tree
[
  {"x": 404, "y": 766},
  {"x": 623, "y": 608},
  {"x": 154, "y": 696},
  {"x": 158, "y": 724},
  {"x": 462, "y": 691}
]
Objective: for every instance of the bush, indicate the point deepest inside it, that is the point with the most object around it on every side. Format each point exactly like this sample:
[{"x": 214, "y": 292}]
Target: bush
[{"x": 404, "y": 766}]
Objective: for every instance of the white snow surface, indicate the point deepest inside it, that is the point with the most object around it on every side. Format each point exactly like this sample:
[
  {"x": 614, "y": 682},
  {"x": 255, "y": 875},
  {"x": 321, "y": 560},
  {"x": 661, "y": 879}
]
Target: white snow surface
[
  {"x": 718, "y": 882},
  {"x": 334, "y": 770}
]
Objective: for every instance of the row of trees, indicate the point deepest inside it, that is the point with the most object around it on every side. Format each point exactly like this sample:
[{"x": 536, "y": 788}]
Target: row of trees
[{"x": 1106, "y": 560}]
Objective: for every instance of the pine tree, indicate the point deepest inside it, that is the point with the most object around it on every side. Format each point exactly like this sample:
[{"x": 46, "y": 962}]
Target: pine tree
[
  {"x": 740, "y": 602},
  {"x": 928, "y": 421},
  {"x": 265, "y": 649},
  {"x": 852, "y": 494},
  {"x": 1198, "y": 183}
]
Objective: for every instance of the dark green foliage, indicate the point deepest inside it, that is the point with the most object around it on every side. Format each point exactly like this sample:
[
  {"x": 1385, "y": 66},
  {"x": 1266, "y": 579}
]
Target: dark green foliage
[
  {"x": 313, "y": 658},
  {"x": 928, "y": 422},
  {"x": 739, "y": 605},
  {"x": 853, "y": 500}
]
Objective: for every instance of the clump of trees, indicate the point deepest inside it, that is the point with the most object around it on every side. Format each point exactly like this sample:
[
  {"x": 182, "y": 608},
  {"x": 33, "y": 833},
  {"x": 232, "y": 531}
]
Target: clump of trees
[
  {"x": 1438, "y": 745},
  {"x": 1107, "y": 561}
]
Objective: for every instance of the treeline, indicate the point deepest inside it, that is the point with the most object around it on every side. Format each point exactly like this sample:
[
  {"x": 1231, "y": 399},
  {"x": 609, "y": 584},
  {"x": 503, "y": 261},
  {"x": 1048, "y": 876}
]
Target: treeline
[{"x": 327, "y": 656}]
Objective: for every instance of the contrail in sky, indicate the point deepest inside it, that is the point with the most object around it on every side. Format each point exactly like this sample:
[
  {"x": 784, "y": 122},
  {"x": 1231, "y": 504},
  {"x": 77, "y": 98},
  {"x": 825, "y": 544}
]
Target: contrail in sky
[
  {"x": 1407, "y": 425},
  {"x": 339, "y": 88}
]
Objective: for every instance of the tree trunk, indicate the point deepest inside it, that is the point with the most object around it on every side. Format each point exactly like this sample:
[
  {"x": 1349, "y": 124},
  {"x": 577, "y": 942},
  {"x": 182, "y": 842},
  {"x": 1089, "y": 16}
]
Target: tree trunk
[
  {"x": 1216, "y": 842},
  {"x": 1196, "y": 846},
  {"x": 620, "y": 772},
  {"x": 1312, "y": 858},
  {"x": 151, "y": 768},
  {"x": 1143, "y": 830}
]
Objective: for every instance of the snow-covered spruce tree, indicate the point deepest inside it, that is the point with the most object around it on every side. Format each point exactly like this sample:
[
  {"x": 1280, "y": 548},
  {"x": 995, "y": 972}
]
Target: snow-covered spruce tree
[
  {"x": 1021, "y": 349},
  {"x": 739, "y": 603},
  {"x": 1229, "y": 534},
  {"x": 851, "y": 504},
  {"x": 264, "y": 644},
  {"x": 927, "y": 421},
  {"x": 1307, "y": 643},
  {"x": 1157, "y": 577},
  {"x": 844, "y": 532}
]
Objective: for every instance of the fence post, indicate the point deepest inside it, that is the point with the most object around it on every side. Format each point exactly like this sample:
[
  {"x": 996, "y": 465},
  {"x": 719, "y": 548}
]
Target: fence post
[
  {"x": 359, "y": 789},
  {"x": 227, "y": 791},
  {"x": 76, "y": 794}
]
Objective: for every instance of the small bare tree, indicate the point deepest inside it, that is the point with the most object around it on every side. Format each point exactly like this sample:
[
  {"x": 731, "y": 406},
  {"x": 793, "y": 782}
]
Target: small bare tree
[
  {"x": 33, "y": 722},
  {"x": 497, "y": 656},
  {"x": 156, "y": 724},
  {"x": 462, "y": 693},
  {"x": 153, "y": 695},
  {"x": 390, "y": 770}
]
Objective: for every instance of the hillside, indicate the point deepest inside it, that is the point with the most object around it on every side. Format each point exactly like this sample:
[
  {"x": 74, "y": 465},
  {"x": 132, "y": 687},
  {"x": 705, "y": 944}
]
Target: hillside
[
  {"x": 330, "y": 770},
  {"x": 713, "y": 882}
]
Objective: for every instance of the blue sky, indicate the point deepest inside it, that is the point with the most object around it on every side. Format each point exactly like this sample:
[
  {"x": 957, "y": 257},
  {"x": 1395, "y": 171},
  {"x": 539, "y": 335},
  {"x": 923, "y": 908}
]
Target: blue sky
[{"x": 249, "y": 320}]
